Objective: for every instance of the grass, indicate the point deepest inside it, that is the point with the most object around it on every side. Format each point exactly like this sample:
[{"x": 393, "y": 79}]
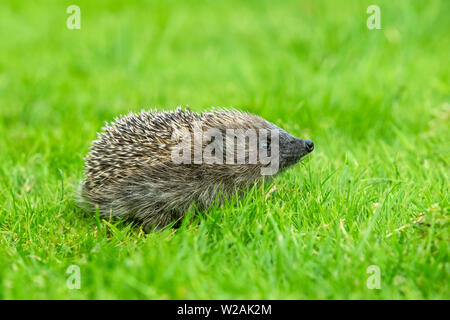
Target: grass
[{"x": 374, "y": 192}]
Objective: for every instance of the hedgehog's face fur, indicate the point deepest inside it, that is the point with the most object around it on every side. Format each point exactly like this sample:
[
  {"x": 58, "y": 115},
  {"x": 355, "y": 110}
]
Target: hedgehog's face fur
[
  {"x": 271, "y": 148},
  {"x": 292, "y": 149},
  {"x": 132, "y": 169}
]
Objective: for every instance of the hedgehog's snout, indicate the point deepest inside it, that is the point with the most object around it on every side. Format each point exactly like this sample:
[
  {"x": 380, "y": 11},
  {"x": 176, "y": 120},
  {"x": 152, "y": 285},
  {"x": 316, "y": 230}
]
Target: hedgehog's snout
[
  {"x": 294, "y": 149},
  {"x": 302, "y": 147},
  {"x": 309, "y": 145}
]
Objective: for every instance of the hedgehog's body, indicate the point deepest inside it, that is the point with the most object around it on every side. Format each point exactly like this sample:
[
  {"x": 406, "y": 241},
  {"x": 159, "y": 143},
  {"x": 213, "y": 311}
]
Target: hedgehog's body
[{"x": 130, "y": 170}]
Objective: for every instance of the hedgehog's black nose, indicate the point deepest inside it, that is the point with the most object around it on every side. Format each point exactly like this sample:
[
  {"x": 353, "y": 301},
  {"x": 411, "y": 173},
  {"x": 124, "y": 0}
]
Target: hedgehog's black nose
[{"x": 309, "y": 145}]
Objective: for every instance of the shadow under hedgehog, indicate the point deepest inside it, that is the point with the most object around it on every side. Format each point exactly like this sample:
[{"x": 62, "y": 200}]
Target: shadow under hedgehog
[{"x": 152, "y": 166}]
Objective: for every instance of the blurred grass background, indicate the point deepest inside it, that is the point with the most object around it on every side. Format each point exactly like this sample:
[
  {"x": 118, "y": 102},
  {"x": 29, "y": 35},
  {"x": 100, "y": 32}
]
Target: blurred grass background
[{"x": 374, "y": 192}]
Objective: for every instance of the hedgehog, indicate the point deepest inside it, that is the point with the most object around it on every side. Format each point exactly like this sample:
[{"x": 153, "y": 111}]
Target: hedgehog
[{"x": 152, "y": 166}]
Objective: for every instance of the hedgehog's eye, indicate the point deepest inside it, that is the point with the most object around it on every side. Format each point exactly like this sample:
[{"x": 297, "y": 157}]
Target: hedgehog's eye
[{"x": 265, "y": 145}]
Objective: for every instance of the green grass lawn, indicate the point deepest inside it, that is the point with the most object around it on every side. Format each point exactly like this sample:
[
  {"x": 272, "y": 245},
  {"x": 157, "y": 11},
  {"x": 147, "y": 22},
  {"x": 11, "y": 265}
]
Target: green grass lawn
[{"x": 374, "y": 191}]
